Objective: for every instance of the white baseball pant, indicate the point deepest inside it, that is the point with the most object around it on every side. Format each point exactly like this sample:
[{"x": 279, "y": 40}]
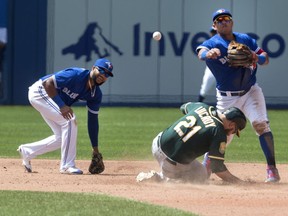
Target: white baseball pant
[
  {"x": 65, "y": 131},
  {"x": 192, "y": 172},
  {"x": 252, "y": 105},
  {"x": 208, "y": 82}
]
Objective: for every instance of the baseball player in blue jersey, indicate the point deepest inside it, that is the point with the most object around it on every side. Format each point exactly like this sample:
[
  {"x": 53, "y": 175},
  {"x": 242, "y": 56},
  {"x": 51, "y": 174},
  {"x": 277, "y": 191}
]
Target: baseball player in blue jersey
[
  {"x": 52, "y": 96},
  {"x": 237, "y": 86}
]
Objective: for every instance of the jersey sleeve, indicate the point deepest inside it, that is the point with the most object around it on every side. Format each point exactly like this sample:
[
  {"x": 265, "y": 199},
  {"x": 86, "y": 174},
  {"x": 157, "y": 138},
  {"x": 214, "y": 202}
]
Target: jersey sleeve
[
  {"x": 64, "y": 77},
  {"x": 93, "y": 106},
  {"x": 217, "y": 166},
  {"x": 258, "y": 50},
  {"x": 93, "y": 128},
  {"x": 208, "y": 44},
  {"x": 217, "y": 151},
  {"x": 187, "y": 107},
  {"x": 249, "y": 41}
]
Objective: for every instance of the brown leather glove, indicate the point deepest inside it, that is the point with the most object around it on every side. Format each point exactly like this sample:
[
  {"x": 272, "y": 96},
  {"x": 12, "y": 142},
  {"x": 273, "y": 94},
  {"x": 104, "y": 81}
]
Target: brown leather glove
[
  {"x": 97, "y": 164},
  {"x": 239, "y": 55}
]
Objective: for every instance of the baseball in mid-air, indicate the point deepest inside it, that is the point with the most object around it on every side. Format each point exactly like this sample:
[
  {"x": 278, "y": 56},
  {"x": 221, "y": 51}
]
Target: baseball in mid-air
[{"x": 157, "y": 35}]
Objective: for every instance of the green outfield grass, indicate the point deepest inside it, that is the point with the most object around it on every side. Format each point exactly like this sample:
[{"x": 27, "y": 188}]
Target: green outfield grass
[
  {"x": 125, "y": 133},
  {"x": 59, "y": 204}
]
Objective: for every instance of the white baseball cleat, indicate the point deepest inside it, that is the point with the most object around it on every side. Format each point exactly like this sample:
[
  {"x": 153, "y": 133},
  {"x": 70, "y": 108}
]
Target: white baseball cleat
[
  {"x": 72, "y": 171},
  {"x": 25, "y": 162},
  {"x": 151, "y": 176}
]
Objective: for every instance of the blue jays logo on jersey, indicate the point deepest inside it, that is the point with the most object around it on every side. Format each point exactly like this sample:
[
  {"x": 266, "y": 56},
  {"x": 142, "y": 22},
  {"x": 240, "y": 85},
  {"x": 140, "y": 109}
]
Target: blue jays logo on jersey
[
  {"x": 70, "y": 93},
  {"x": 87, "y": 44}
]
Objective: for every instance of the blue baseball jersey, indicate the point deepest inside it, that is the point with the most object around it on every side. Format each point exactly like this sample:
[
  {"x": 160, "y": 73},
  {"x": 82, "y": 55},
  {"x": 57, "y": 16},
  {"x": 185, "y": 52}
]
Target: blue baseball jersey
[
  {"x": 231, "y": 78},
  {"x": 71, "y": 84}
]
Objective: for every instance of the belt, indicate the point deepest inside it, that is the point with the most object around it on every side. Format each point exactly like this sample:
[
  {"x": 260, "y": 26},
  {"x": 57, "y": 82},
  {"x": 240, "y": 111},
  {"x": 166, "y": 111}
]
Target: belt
[
  {"x": 167, "y": 158},
  {"x": 228, "y": 93}
]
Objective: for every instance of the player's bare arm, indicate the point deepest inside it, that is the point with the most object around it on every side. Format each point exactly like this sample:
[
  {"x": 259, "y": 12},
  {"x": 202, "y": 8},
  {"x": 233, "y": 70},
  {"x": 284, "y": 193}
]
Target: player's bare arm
[
  {"x": 49, "y": 86},
  {"x": 228, "y": 177}
]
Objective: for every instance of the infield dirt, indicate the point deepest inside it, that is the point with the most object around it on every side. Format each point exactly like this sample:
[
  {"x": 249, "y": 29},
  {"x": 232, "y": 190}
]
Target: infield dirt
[{"x": 213, "y": 198}]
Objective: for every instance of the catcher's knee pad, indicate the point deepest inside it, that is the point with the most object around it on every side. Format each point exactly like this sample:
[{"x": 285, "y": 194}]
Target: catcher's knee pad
[{"x": 261, "y": 127}]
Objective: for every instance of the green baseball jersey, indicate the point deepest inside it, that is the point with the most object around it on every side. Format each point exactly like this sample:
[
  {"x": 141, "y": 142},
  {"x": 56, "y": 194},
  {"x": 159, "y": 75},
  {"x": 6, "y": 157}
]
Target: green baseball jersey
[{"x": 199, "y": 131}]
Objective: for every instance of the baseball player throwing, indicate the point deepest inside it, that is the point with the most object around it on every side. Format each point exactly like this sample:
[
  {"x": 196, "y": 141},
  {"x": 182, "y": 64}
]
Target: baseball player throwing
[
  {"x": 200, "y": 130},
  {"x": 52, "y": 96},
  {"x": 236, "y": 85}
]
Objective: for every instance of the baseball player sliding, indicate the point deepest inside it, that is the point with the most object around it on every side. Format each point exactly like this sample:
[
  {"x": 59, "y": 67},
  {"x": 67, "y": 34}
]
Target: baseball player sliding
[
  {"x": 236, "y": 84},
  {"x": 52, "y": 96},
  {"x": 201, "y": 129}
]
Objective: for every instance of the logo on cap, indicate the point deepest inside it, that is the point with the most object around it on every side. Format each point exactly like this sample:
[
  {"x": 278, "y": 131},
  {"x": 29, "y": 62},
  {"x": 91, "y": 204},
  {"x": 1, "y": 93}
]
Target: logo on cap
[
  {"x": 110, "y": 66},
  {"x": 220, "y": 11}
]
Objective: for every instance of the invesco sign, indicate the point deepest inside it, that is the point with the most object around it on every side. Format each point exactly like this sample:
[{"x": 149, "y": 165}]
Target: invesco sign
[
  {"x": 270, "y": 38},
  {"x": 179, "y": 44}
]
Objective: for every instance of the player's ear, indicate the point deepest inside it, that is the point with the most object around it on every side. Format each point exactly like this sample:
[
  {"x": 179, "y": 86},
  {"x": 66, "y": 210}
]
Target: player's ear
[
  {"x": 93, "y": 73},
  {"x": 231, "y": 125}
]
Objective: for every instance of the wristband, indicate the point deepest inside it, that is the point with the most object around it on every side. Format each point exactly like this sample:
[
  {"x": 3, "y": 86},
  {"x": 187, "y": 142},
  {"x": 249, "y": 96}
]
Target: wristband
[
  {"x": 203, "y": 55},
  {"x": 261, "y": 59},
  {"x": 57, "y": 99}
]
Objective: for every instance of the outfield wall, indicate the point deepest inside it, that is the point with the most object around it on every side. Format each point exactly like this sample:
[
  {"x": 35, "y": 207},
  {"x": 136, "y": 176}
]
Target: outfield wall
[{"x": 166, "y": 72}]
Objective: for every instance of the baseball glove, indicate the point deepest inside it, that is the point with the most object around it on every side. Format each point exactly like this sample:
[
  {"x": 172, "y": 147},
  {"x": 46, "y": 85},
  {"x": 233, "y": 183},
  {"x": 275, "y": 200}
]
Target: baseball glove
[
  {"x": 96, "y": 165},
  {"x": 239, "y": 55}
]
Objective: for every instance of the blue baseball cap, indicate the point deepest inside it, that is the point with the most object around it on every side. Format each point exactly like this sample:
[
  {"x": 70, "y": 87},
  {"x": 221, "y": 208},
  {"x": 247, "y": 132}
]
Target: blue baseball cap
[
  {"x": 105, "y": 64},
  {"x": 220, "y": 12}
]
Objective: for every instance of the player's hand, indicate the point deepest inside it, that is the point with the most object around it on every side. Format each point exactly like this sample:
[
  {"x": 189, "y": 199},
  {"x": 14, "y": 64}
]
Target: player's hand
[
  {"x": 254, "y": 58},
  {"x": 67, "y": 112},
  {"x": 213, "y": 53}
]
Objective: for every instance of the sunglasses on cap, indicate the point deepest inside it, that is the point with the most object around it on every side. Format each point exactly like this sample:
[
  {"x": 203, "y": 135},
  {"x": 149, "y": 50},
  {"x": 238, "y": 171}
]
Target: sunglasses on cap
[
  {"x": 223, "y": 18},
  {"x": 103, "y": 72}
]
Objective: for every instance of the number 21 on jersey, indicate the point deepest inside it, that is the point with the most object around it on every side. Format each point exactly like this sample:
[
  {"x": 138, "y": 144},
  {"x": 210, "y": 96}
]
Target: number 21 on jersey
[{"x": 189, "y": 123}]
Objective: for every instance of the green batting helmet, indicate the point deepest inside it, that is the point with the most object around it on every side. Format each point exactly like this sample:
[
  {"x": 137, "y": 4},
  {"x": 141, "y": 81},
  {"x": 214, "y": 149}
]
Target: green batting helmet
[{"x": 236, "y": 115}]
